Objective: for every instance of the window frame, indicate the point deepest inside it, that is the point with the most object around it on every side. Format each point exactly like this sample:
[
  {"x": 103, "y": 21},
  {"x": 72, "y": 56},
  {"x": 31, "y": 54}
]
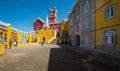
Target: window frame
[
  {"x": 86, "y": 23},
  {"x": 113, "y": 37},
  {"x": 108, "y": 9},
  {"x": 86, "y": 7}
]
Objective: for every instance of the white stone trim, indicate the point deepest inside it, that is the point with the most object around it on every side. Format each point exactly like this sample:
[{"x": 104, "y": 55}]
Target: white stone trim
[{"x": 38, "y": 19}]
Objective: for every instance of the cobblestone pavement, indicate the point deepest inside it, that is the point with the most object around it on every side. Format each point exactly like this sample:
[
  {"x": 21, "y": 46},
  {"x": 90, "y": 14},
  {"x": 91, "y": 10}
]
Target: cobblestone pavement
[{"x": 55, "y": 58}]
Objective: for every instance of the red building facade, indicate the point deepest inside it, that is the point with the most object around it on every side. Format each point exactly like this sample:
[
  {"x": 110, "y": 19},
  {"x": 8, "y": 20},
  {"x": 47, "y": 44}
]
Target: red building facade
[
  {"x": 53, "y": 20},
  {"x": 38, "y": 24}
]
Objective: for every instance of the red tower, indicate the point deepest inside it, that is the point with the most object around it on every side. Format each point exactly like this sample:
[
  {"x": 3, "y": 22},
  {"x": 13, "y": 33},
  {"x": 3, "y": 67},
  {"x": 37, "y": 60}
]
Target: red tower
[
  {"x": 53, "y": 20},
  {"x": 53, "y": 16}
]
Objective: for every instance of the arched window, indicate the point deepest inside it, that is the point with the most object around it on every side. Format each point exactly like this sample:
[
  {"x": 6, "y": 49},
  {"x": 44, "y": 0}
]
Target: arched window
[
  {"x": 86, "y": 7},
  {"x": 86, "y": 23},
  {"x": 110, "y": 37},
  {"x": 110, "y": 11}
]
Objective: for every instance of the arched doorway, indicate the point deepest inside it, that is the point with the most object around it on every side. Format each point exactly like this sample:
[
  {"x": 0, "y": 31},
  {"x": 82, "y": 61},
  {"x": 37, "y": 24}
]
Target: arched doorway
[
  {"x": 110, "y": 37},
  {"x": 38, "y": 27},
  {"x": 77, "y": 40}
]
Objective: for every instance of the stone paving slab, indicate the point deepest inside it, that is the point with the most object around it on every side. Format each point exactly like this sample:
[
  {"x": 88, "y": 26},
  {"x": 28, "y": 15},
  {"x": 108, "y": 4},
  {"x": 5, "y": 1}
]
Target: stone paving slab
[
  {"x": 29, "y": 58},
  {"x": 55, "y": 58}
]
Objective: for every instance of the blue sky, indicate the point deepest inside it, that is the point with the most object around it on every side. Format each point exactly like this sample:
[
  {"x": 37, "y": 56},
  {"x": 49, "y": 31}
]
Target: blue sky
[{"x": 21, "y": 13}]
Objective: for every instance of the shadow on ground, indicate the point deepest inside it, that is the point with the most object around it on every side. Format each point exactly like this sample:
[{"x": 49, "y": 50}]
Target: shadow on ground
[{"x": 65, "y": 59}]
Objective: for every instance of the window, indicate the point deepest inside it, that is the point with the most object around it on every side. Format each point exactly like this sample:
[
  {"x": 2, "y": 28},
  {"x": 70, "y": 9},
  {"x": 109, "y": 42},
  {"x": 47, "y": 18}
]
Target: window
[
  {"x": 86, "y": 23},
  {"x": 77, "y": 27},
  {"x": 110, "y": 12},
  {"x": 77, "y": 17},
  {"x": 38, "y": 27},
  {"x": 86, "y": 40},
  {"x": 86, "y": 7},
  {"x": 110, "y": 37},
  {"x": 77, "y": 13}
]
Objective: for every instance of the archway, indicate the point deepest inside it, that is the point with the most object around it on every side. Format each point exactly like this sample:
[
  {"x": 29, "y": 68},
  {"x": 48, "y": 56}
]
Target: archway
[
  {"x": 38, "y": 27},
  {"x": 110, "y": 37},
  {"x": 77, "y": 40}
]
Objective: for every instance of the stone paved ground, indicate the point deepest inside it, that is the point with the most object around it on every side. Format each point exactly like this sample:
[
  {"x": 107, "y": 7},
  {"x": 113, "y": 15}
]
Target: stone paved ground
[{"x": 55, "y": 58}]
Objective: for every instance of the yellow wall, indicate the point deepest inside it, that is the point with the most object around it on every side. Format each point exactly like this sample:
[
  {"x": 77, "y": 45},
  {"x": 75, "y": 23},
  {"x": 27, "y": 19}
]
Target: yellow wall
[
  {"x": 9, "y": 33},
  {"x": 2, "y": 48},
  {"x": 100, "y": 35},
  {"x": 48, "y": 34},
  {"x": 18, "y": 38},
  {"x": 30, "y": 38},
  {"x": 102, "y": 24},
  {"x": 63, "y": 27},
  {"x": 3, "y": 32},
  {"x": 100, "y": 15},
  {"x": 100, "y": 3}
]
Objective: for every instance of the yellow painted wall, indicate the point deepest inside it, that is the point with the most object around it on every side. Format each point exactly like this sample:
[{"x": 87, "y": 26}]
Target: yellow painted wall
[
  {"x": 63, "y": 27},
  {"x": 9, "y": 33},
  {"x": 3, "y": 32},
  {"x": 101, "y": 22},
  {"x": 2, "y": 48},
  {"x": 48, "y": 34},
  {"x": 100, "y": 35},
  {"x": 100, "y": 15},
  {"x": 18, "y": 38},
  {"x": 29, "y": 38}
]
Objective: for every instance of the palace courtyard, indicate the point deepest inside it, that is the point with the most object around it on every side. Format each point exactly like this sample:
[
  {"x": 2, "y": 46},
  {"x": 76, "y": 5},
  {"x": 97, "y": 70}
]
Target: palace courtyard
[{"x": 52, "y": 57}]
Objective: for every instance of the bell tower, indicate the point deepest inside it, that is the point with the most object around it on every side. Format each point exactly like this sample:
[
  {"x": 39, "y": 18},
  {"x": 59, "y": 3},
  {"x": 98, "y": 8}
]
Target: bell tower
[
  {"x": 53, "y": 19},
  {"x": 53, "y": 16}
]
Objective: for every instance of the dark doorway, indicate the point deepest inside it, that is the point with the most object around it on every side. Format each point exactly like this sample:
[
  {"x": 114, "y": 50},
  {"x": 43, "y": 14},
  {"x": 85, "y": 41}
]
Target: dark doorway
[{"x": 77, "y": 40}]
